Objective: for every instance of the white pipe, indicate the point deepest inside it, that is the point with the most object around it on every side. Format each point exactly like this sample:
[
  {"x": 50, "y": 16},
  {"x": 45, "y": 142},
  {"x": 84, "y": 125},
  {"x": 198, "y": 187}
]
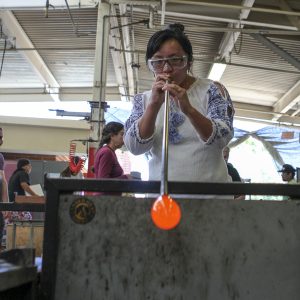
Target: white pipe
[
  {"x": 280, "y": 124},
  {"x": 129, "y": 2},
  {"x": 163, "y": 12},
  {"x": 217, "y": 19},
  {"x": 238, "y": 7}
]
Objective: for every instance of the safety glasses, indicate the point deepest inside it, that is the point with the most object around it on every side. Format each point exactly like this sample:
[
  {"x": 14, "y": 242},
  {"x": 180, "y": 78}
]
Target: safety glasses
[{"x": 175, "y": 62}]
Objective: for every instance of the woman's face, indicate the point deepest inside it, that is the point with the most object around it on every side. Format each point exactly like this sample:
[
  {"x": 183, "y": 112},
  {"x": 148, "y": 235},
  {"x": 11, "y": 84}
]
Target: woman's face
[
  {"x": 117, "y": 139},
  {"x": 27, "y": 168},
  {"x": 170, "y": 49},
  {"x": 286, "y": 176}
]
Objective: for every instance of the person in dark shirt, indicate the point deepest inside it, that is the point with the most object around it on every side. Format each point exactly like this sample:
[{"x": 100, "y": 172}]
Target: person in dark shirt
[
  {"x": 19, "y": 182},
  {"x": 232, "y": 171},
  {"x": 288, "y": 174}
]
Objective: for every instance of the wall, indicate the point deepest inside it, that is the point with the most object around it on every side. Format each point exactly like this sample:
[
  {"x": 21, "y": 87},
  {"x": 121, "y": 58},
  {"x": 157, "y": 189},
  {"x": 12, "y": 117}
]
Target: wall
[{"x": 43, "y": 137}]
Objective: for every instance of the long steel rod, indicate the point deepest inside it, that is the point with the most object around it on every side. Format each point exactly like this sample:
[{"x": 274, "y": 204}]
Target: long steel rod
[{"x": 165, "y": 146}]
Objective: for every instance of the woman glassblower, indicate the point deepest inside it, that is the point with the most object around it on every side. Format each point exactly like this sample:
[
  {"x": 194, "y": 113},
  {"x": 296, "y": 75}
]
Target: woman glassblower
[{"x": 201, "y": 114}]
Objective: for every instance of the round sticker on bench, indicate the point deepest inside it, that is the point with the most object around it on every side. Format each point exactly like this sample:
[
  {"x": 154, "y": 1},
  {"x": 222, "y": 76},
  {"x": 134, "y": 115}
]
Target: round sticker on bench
[{"x": 82, "y": 211}]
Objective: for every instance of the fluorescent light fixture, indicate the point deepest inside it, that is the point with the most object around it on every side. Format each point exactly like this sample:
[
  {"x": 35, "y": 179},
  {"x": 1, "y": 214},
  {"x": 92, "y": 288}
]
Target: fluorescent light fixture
[{"x": 216, "y": 71}]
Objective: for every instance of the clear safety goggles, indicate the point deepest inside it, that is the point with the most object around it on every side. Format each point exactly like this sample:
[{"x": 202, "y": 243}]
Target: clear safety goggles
[{"x": 175, "y": 62}]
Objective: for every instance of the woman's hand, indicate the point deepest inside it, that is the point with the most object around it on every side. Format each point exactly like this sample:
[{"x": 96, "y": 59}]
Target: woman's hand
[
  {"x": 178, "y": 95},
  {"x": 147, "y": 122},
  {"x": 158, "y": 94}
]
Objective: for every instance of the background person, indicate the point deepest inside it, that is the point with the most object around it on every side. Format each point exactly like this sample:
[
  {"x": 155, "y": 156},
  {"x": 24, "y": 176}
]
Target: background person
[
  {"x": 19, "y": 182},
  {"x": 4, "y": 194},
  {"x": 2, "y": 173},
  {"x": 232, "y": 171},
  {"x": 106, "y": 161},
  {"x": 201, "y": 114},
  {"x": 288, "y": 173}
]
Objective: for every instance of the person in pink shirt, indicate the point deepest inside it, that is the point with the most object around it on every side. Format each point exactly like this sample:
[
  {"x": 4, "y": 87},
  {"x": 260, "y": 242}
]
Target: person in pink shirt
[{"x": 106, "y": 162}]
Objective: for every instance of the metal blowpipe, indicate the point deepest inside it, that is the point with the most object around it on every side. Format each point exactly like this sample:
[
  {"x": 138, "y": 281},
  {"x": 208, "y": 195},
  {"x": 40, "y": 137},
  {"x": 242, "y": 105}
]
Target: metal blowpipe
[
  {"x": 165, "y": 212},
  {"x": 165, "y": 145}
]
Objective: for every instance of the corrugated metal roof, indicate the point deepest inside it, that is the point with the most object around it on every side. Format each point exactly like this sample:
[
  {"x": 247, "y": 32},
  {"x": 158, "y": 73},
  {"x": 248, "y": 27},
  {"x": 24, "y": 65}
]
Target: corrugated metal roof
[
  {"x": 254, "y": 74},
  {"x": 14, "y": 63}
]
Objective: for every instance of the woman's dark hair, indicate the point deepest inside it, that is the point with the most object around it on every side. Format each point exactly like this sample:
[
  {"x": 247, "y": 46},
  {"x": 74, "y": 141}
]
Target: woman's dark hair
[
  {"x": 173, "y": 31},
  {"x": 22, "y": 162},
  {"x": 111, "y": 128}
]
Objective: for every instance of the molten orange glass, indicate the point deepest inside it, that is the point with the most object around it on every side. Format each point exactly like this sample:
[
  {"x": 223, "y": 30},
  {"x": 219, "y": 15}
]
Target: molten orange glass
[{"x": 165, "y": 212}]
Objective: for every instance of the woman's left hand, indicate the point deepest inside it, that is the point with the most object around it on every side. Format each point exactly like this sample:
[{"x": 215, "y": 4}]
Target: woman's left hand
[{"x": 179, "y": 95}]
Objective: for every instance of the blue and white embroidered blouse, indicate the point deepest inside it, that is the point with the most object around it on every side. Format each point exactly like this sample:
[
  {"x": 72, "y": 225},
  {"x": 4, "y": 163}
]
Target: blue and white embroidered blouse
[{"x": 190, "y": 158}]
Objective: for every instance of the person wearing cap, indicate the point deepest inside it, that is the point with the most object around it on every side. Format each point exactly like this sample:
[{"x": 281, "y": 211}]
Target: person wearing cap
[
  {"x": 19, "y": 182},
  {"x": 288, "y": 174}
]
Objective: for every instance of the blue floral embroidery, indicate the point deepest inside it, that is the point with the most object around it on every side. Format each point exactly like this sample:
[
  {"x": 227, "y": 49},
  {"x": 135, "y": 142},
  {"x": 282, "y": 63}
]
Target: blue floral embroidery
[
  {"x": 136, "y": 113},
  {"x": 175, "y": 120},
  {"x": 220, "y": 110}
]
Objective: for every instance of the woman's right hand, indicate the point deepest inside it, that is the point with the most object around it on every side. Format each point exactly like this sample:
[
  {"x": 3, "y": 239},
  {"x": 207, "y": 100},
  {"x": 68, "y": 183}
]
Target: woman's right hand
[
  {"x": 147, "y": 122},
  {"x": 157, "y": 97}
]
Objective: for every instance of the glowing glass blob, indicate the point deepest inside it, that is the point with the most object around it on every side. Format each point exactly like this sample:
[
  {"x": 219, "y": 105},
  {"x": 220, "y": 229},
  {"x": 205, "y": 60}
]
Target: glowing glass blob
[{"x": 165, "y": 212}]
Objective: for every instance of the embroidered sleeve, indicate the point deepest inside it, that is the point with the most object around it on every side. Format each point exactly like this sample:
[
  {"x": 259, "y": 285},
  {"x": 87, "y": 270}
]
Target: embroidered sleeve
[
  {"x": 220, "y": 112},
  {"x": 132, "y": 139}
]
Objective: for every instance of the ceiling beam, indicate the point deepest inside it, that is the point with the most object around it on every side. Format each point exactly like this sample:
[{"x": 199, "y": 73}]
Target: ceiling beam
[
  {"x": 229, "y": 39},
  {"x": 12, "y": 28},
  {"x": 64, "y": 94},
  {"x": 236, "y": 7},
  {"x": 42, "y": 122},
  {"x": 55, "y": 4},
  {"x": 112, "y": 93},
  {"x": 293, "y": 20},
  {"x": 127, "y": 48},
  {"x": 292, "y": 97},
  {"x": 119, "y": 38},
  {"x": 119, "y": 62},
  {"x": 252, "y": 110},
  {"x": 276, "y": 49},
  {"x": 287, "y": 101},
  {"x": 101, "y": 54},
  {"x": 262, "y": 113},
  {"x": 198, "y": 16}
]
